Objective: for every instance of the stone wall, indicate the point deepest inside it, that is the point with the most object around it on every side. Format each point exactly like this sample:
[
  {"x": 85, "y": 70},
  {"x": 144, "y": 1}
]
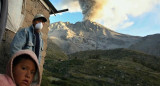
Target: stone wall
[{"x": 32, "y": 8}]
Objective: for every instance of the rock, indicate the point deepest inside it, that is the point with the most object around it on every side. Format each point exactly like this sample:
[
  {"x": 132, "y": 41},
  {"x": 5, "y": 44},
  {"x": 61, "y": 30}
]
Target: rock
[{"x": 87, "y": 35}]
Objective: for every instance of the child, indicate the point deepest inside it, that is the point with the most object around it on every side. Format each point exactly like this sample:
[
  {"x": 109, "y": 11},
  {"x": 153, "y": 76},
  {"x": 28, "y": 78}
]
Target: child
[{"x": 22, "y": 70}]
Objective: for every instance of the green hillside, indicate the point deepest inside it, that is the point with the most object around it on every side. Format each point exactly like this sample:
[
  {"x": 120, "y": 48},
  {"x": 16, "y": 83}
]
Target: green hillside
[
  {"x": 54, "y": 52},
  {"x": 119, "y": 67}
]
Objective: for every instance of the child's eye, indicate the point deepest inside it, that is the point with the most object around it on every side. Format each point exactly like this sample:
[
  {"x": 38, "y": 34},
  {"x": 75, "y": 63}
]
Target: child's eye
[{"x": 24, "y": 68}]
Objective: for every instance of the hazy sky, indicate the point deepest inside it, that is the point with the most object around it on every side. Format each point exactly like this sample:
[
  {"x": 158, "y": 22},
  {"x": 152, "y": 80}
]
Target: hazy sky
[{"x": 133, "y": 17}]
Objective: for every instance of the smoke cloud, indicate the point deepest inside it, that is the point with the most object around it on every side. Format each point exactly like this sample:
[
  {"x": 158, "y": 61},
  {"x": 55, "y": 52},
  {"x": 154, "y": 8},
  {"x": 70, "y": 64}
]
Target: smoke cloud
[
  {"x": 92, "y": 9},
  {"x": 113, "y": 14}
]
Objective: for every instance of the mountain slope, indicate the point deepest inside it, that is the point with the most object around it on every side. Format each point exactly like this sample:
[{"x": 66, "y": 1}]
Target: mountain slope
[
  {"x": 149, "y": 44},
  {"x": 119, "y": 67},
  {"x": 87, "y": 35},
  {"x": 54, "y": 52}
]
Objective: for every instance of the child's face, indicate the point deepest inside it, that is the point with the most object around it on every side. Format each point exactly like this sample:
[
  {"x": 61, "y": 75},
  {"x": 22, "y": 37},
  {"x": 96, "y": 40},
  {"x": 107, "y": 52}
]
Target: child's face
[{"x": 24, "y": 72}]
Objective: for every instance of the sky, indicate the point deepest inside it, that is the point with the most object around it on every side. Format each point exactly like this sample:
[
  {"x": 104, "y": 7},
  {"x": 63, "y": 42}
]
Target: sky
[{"x": 133, "y": 17}]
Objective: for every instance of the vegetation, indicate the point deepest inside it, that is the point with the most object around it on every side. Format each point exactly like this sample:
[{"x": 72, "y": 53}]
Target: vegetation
[
  {"x": 118, "y": 67},
  {"x": 54, "y": 52}
]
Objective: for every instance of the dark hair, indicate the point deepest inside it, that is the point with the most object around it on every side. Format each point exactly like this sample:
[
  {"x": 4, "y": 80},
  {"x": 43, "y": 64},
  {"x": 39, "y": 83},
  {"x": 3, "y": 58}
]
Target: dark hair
[{"x": 23, "y": 57}]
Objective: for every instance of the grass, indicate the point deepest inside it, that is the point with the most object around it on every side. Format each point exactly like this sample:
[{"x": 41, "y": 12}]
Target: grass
[{"x": 118, "y": 67}]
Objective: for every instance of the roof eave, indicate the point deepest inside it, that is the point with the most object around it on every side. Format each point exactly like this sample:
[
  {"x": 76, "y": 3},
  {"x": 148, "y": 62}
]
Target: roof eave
[{"x": 53, "y": 9}]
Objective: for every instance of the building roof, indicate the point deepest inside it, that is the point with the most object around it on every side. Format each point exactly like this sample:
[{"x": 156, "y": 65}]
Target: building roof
[{"x": 53, "y": 9}]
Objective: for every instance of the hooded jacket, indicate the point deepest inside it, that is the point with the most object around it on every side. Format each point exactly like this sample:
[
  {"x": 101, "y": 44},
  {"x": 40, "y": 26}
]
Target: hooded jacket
[{"x": 8, "y": 79}]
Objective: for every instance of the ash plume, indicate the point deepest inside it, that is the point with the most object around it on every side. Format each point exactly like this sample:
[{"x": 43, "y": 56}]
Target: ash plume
[
  {"x": 91, "y": 9},
  {"x": 113, "y": 14}
]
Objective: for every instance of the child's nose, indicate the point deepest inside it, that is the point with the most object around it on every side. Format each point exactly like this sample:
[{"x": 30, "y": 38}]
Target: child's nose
[{"x": 28, "y": 74}]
